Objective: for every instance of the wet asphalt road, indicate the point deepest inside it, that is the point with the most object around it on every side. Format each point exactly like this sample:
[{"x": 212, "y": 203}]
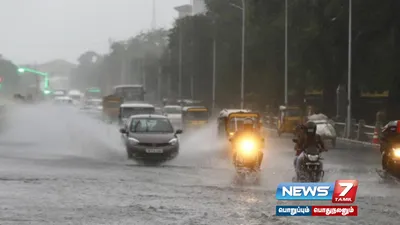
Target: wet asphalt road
[{"x": 62, "y": 166}]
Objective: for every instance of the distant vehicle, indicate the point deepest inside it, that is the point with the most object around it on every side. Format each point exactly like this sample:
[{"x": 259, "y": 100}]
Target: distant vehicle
[
  {"x": 174, "y": 113},
  {"x": 172, "y": 110},
  {"x": 121, "y": 94},
  {"x": 159, "y": 111},
  {"x": 150, "y": 138},
  {"x": 58, "y": 93},
  {"x": 194, "y": 116},
  {"x": 130, "y": 109},
  {"x": 92, "y": 92},
  {"x": 189, "y": 102},
  {"x": 62, "y": 100},
  {"x": 75, "y": 95},
  {"x": 130, "y": 92},
  {"x": 94, "y": 104},
  {"x": 74, "y": 92}
]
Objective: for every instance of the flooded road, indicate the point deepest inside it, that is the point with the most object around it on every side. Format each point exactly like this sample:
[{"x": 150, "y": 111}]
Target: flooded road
[{"x": 61, "y": 166}]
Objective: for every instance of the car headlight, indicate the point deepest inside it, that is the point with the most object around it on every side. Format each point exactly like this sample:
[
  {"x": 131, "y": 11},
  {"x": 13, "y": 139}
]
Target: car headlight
[
  {"x": 173, "y": 141},
  {"x": 396, "y": 152},
  {"x": 313, "y": 157},
  {"x": 247, "y": 146},
  {"x": 133, "y": 141}
]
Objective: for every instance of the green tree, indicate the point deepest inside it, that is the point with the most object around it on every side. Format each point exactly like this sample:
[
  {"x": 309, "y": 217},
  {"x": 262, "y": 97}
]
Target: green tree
[
  {"x": 9, "y": 76},
  {"x": 317, "y": 46}
]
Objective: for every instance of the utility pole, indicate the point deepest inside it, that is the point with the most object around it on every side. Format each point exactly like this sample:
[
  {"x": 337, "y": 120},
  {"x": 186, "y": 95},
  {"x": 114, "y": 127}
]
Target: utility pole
[
  {"x": 180, "y": 62},
  {"x": 192, "y": 87},
  {"x": 169, "y": 85},
  {"x": 243, "y": 8},
  {"x": 214, "y": 72},
  {"x": 143, "y": 67},
  {"x": 123, "y": 70},
  {"x": 159, "y": 87},
  {"x": 286, "y": 52},
  {"x": 243, "y": 55},
  {"x": 348, "y": 124}
]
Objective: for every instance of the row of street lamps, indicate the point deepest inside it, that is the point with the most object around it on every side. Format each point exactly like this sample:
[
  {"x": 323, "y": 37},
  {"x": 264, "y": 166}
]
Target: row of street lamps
[{"x": 243, "y": 8}]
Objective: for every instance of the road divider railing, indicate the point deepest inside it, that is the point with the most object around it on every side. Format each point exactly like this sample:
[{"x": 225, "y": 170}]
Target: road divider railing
[{"x": 360, "y": 132}]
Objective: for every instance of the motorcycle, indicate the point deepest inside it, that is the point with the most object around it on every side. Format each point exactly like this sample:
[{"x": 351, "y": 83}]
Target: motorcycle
[
  {"x": 311, "y": 169},
  {"x": 392, "y": 161},
  {"x": 247, "y": 160}
]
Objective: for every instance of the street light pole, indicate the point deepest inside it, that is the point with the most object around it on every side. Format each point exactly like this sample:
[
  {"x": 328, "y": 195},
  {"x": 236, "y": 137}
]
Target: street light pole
[
  {"x": 180, "y": 63},
  {"x": 243, "y": 8},
  {"x": 214, "y": 72},
  {"x": 286, "y": 52},
  {"x": 243, "y": 41},
  {"x": 122, "y": 69},
  {"x": 348, "y": 124},
  {"x": 192, "y": 87},
  {"x": 159, "y": 85},
  {"x": 144, "y": 74}
]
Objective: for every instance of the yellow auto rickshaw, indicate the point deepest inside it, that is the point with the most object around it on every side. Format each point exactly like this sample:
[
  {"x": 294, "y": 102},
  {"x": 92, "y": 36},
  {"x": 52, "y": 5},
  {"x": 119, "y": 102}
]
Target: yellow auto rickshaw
[
  {"x": 231, "y": 120},
  {"x": 194, "y": 116},
  {"x": 288, "y": 119},
  {"x": 111, "y": 109}
]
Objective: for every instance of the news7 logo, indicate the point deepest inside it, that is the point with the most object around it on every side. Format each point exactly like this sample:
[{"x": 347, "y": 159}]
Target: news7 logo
[{"x": 342, "y": 191}]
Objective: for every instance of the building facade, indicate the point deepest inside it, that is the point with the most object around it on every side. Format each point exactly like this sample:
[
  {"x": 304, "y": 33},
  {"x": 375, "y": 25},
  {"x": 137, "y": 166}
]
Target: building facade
[
  {"x": 184, "y": 10},
  {"x": 198, "y": 7},
  {"x": 195, "y": 7}
]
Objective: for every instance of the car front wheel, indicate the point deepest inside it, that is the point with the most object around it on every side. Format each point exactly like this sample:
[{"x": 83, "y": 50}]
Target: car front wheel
[{"x": 129, "y": 153}]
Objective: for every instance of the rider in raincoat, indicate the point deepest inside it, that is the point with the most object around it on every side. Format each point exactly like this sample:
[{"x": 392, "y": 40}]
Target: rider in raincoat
[{"x": 307, "y": 137}]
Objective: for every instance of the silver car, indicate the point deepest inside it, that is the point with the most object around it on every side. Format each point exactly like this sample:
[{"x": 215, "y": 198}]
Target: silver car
[{"x": 150, "y": 137}]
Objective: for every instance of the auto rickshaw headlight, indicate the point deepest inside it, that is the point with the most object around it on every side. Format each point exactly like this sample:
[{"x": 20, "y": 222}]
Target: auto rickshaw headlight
[
  {"x": 247, "y": 146},
  {"x": 396, "y": 152}
]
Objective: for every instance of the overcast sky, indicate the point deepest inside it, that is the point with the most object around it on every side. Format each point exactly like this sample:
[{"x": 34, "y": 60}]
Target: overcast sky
[{"x": 42, "y": 30}]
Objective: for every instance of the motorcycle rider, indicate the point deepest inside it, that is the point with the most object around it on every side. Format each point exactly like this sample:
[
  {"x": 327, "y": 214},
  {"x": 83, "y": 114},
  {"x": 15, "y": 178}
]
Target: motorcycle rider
[
  {"x": 249, "y": 130},
  {"x": 306, "y": 138},
  {"x": 301, "y": 135},
  {"x": 390, "y": 137}
]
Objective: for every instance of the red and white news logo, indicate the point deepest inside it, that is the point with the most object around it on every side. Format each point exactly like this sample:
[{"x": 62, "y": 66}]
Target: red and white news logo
[{"x": 345, "y": 191}]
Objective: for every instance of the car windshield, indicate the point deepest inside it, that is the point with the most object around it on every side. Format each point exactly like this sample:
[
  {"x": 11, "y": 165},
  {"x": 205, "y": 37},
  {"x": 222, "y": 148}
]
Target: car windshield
[
  {"x": 293, "y": 113},
  {"x": 236, "y": 124},
  {"x": 151, "y": 125},
  {"x": 196, "y": 115},
  {"x": 173, "y": 110},
  {"x": 127, "y": 112}
]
